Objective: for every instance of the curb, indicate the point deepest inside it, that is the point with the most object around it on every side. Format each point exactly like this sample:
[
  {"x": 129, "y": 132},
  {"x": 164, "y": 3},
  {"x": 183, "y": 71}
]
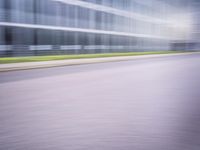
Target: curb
[{"x": 60, "y": 63}]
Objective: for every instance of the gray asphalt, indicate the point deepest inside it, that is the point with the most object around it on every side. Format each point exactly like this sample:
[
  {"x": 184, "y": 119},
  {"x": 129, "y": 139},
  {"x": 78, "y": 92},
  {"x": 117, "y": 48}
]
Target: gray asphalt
[{"x": 147, "y": 104}]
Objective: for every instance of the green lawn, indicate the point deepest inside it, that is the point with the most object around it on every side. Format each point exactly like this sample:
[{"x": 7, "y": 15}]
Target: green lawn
[{"x": 5, "y": 60}]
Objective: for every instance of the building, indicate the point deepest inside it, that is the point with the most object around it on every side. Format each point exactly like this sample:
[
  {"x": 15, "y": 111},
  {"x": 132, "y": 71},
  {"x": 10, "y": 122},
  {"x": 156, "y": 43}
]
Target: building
[{"x": 39, "y": 27}]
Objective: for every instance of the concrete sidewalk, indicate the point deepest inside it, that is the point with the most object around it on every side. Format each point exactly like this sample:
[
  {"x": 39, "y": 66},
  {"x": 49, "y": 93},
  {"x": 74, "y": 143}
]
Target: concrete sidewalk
[{"x": 69, "y": 62}]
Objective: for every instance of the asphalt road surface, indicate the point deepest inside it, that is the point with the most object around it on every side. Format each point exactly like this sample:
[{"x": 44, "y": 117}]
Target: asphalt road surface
[{"x": 147, "y": 104}]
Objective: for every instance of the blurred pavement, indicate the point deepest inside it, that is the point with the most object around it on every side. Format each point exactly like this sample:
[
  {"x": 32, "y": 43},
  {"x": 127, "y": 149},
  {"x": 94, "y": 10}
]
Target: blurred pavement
[{"x": 144, "y": 104}]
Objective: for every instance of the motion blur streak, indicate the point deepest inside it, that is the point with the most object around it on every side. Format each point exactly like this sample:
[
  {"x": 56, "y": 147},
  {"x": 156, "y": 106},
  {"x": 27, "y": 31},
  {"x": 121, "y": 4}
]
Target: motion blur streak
[
  {"x": 43, "y": 27},
  {"x": 149, "y": 104},
  {"x": 79, "y": 30}
]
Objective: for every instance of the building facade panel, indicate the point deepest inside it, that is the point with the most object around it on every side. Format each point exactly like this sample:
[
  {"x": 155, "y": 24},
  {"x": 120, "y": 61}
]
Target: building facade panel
[{"x": 85, "y": 26}]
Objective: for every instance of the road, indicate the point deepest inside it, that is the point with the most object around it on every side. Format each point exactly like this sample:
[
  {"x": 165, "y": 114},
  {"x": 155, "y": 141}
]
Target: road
[{"x": 147, "y": 104}]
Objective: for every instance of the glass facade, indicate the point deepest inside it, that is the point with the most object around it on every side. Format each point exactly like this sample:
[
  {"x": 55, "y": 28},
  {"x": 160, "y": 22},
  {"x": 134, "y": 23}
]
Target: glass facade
[{"x": 31, "y": 27}]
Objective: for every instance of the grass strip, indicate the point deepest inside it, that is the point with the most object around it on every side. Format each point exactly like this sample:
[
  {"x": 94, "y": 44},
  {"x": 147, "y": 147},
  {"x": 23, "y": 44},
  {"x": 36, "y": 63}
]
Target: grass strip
[{"x": 5, "y": 60}]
